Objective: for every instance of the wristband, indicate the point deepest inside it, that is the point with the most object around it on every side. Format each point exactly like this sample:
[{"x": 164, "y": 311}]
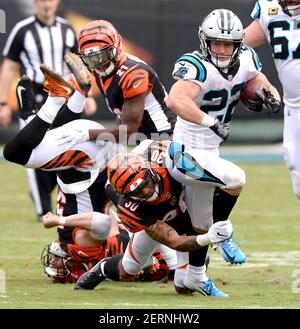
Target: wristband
[
  {"x": 203, "y": 240},
  {"x": 61, "y": 221},
  {"x": 207, "y": 121}
]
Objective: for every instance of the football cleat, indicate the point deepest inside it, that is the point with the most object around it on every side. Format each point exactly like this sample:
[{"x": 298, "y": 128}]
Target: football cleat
[
  {"x": 206, "y": 288},
  {"x": 230, "y": 251},
  {"x": 81, "y": 77},
  {"x": 178, "y": 283},
  {"x": 55, "y": 84},
  {"x": 90, "y": 279},
  {"x": 26, "y": 98}
]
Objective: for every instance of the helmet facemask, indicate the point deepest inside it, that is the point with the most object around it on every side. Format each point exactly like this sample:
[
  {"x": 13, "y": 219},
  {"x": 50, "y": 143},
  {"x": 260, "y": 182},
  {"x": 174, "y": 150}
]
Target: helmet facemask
[
  {"x": 149, "y": 179},
  {"x": 56, "y": 263},
  {"x": 100, "y": 47},
  {"x": 102, "y": 61}
]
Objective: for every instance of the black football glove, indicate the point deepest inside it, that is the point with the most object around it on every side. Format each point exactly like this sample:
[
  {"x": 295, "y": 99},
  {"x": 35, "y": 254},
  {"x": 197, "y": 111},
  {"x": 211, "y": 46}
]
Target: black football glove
[
  {"x": 268, "y": 102},
  {"x": 221, "y": 129}
]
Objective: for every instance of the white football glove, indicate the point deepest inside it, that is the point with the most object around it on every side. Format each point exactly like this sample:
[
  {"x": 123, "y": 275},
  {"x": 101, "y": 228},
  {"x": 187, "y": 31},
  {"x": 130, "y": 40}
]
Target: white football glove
[
  {"x": 220, "y": 231},
  {"x": 72, "y": 136}
]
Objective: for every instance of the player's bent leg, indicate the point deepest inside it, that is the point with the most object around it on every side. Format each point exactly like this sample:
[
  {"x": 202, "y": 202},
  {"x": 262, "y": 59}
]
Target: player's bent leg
[
  {"x": 197, "y": 166},
  {"x": 138, "y": 253},
  {"x": 92, "y": 278},
  {"x": 50, "y": 153},
  {"x": 20, "y": 147}
]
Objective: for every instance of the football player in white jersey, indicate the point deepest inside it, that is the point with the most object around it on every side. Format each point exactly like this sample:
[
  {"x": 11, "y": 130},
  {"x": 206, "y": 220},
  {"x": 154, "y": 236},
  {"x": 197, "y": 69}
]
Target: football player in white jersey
[
  {"x": 277, "y": 22},
  {"x": 204, "y": 97}
]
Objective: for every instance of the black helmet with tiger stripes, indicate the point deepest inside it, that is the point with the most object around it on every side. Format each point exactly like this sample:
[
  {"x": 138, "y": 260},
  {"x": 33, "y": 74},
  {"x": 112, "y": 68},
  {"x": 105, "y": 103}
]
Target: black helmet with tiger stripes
[
  {"x": 129, "y": 174},
  {"x": 100, "y": 46}
]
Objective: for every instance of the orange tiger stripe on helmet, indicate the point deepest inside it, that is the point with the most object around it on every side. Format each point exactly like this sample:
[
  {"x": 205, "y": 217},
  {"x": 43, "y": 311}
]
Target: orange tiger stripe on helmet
[
  {"x": 124, "y": 170},
  {"x": 99, "y": 32}
]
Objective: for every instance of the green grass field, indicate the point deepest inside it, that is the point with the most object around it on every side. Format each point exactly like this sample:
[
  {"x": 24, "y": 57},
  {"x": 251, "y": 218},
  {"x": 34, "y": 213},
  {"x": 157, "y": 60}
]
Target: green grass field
[{"x": 266, "y": 222}]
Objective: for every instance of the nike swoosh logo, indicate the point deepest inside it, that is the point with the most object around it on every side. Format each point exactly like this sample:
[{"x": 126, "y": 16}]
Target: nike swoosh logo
[
  {"x": 82, "y": 253},
  {"x": 135, "y": 85},
  {"x": 19, "y": 91},
  {"x": 219, "y": 234},
  {"x": 68, "y": 90},
  {"x": 229, "y": 257}
]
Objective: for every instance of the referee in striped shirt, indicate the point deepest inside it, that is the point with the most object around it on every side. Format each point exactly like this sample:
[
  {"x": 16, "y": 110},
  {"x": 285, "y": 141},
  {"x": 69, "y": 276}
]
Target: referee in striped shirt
[{"x": 43, "y": 38}]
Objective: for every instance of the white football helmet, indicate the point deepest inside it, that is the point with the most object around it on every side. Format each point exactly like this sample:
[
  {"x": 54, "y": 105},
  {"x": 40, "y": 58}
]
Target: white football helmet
[
  {"x": 290, "y": 7},
  {"x": 224, "y": 26}
]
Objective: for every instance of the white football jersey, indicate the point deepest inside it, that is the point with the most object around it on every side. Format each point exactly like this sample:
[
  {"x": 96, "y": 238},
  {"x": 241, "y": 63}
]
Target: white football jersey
[
  {"x": 219, "y": 94},
  {"x": 283, "y": 34}
]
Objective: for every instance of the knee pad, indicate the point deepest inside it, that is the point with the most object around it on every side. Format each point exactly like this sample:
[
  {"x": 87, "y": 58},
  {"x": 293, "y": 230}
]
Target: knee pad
[
  {"x": 101, "y": 225},
  {"x": 13, "y": 153},
  {"x": 236, "y": 178},
  {"x": 130, "y": 266}
]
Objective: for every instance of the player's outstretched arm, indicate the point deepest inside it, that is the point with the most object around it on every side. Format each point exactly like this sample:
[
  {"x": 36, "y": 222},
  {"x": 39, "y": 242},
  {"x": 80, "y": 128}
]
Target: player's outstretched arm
[
  {"x": 95, "y": 222},
  {"x": 162, "y": 232}
]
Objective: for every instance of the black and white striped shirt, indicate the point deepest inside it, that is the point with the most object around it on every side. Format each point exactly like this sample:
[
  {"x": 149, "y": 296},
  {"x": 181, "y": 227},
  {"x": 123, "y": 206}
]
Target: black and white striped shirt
[{"x": 31, "y": 43}]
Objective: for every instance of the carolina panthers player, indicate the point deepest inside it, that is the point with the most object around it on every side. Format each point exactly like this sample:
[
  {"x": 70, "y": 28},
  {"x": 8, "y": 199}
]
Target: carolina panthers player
[
  {"x": 277, "y": 22},
  {"x": 204, "y": 97}
]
